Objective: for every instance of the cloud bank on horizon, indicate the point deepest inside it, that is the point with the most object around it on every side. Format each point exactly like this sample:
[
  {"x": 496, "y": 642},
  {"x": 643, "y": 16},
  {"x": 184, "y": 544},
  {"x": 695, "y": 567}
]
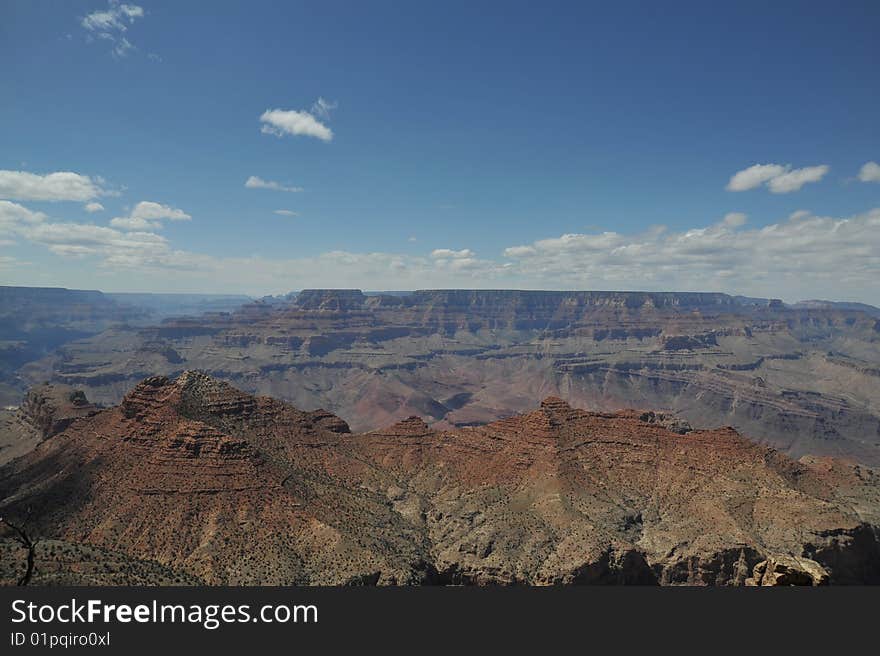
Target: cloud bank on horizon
[{"x": 803, "y": 255}]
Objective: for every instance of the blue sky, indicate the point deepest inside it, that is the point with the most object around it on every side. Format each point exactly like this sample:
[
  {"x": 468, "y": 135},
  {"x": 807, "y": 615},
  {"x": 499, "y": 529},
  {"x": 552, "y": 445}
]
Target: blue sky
[{"x": 560, "y": 145}]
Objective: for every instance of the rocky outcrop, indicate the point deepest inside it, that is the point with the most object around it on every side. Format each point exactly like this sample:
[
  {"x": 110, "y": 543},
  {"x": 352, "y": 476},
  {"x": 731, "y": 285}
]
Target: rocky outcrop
[
  {"x": 52, "y": 408},
  {"x": 410, "y": 427},
  {"x": 330, "y": 299},
  {"x": 202, "y": 479},
  {"x": 788, "y": 570},
  {"x": 668, "y": 421},
  {"x": 687, "y": 342}
]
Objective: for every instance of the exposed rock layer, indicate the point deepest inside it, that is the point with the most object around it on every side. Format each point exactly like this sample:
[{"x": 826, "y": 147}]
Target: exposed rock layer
[{"x": 803, "y": 380}]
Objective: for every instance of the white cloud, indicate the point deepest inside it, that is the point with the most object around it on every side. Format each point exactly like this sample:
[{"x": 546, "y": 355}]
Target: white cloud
[
  {"x": 281, "y": 122},
  {"x": 462, "y": 260},
  {"x": 802, "y": 256},
  {"x": 115, "y": 248},
  {"x": 93, "y": 207},
  {"x": 870, "y": 172},
  {"x": 153, "y": 211},
  {"x": 519, "y": 251},
  {"x": 63, "y": 185},
  {"x": 255, "y": 182},
  {"x": 794, "y": 180},
  {"x": 110, "y": 24},
  {"x": 88, "y": 239},
  {"x": 754, "y": 176},
  {"x": 735, "y": 219},
  {"x": 13, "y": 216},
  {"x": 286, "y": 213},
  {"x": 778, "y": 178},
  {"x": 112, "y": 18},
  {"x": 132, "y": 223},
  {"x": 148, "y": 215},
  {"x": 448, "y": 253}
]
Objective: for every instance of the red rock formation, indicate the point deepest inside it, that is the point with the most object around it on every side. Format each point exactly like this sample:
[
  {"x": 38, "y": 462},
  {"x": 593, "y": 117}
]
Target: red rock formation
[{"x": 230, "y": 488}]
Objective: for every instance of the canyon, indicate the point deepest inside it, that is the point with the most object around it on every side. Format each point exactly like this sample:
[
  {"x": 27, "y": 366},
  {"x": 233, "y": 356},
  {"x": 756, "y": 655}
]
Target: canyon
[
  {"x": 802, "y": 378},
  {"x": 336, "y": 437}
]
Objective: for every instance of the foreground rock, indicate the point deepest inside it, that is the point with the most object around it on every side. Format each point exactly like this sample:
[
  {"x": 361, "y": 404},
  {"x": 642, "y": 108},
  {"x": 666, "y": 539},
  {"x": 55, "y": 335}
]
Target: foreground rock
[
  {"x": 788, "y": 570},
  {"x": 208, "y": 482}
]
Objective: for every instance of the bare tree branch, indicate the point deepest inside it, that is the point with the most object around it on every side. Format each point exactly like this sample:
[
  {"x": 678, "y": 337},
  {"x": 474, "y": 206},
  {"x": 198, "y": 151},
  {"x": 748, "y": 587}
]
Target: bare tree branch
[{"x": 21, "y": 536}]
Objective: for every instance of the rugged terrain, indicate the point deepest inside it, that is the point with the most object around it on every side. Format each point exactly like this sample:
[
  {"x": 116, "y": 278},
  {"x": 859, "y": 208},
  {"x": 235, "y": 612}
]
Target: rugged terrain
[
  {"x": 192, "y": 480},
  {"x": 804, "y": 379},
  {"x": 36, "y": 320}
]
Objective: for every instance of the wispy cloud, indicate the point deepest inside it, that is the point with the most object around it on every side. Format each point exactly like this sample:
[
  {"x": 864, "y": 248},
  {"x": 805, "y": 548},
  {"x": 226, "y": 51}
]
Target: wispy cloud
[
  {"x": 778, "y": 178},
  {"x": 286, "y": 213},
  {"x": 282, "y": 122},
  {"x": 255, "y": 182},
  {"x": 93, "y": 207},
  {"x": 459, "y": 260},
  {"x": 805, "y": 255},
  {"x": 323, "y": 108},
  {"x": 870, "y": 172},
  {"x": 60, "y": 186},
  {"x": 110, "y": 25},
  {"x": 448, "y": 253},
  {"x": 148, "y": 215},
  {"x": 78, "y": 239}
]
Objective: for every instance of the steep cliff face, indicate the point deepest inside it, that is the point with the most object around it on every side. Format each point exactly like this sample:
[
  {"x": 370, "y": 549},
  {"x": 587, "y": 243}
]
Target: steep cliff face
[
  {"x": 802, "y": 380},
  {"x": 330, "y": 299},
  {"x": 46, "y": 411},
  {"x": 543, "y": 310},
  {"x": 208, "y": 482},
  {"x": 52, "y": 408}
]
